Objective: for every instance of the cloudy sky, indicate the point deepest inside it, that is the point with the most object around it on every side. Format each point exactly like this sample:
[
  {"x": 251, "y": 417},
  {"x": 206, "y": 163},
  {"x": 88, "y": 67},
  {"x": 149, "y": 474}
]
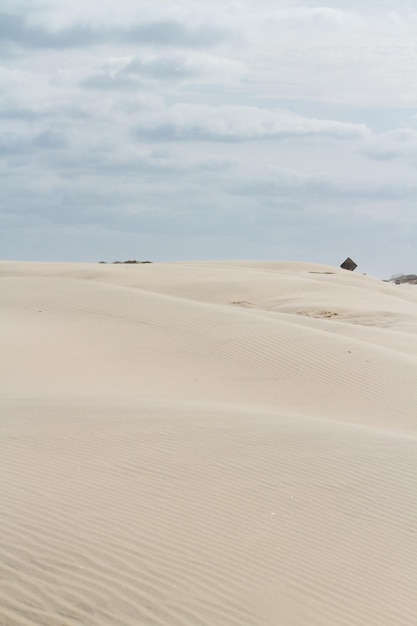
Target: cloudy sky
[{"x": 229, "y": 129}]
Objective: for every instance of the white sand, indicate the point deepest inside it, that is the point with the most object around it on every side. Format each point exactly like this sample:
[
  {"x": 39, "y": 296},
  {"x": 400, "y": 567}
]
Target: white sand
[{"x": 206, "y": 444}]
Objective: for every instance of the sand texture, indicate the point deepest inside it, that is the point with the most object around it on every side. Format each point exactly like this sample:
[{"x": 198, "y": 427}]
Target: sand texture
[{"x": 206, "y": 444}]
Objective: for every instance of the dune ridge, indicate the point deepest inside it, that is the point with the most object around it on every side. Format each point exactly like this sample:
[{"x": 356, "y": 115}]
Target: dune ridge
[{"x": 207, "y": 443}]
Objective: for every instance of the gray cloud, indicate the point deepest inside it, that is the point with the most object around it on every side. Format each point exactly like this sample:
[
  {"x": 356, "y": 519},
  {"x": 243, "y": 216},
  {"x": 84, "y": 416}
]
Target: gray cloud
[
  {"x": 238, "y": 124},
  {"x": 22, "y": 114},
  {"x": 21, "y": 144},
  {"x": 16, "y": 31},
  {"x": 173, "y": 33},
  {"x": 294, "y": 185},
  {"x": 127, "y": 73},
  {"x": 399, "y": 143},
  {"x": 49, "y": 139},
  {"x": 11, "y": 144},
  {"x": 162, "y": 67},
  {"x": 141, "y": 168}
]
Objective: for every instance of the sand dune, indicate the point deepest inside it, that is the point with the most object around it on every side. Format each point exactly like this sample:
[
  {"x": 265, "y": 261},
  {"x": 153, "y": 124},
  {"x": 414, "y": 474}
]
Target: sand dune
[{"x": 207, "y": 443}]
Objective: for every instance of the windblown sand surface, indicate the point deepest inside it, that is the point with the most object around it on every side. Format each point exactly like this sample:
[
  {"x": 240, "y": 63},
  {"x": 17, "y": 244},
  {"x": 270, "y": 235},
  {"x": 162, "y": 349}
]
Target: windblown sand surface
[{"x": 205, "y": 444}]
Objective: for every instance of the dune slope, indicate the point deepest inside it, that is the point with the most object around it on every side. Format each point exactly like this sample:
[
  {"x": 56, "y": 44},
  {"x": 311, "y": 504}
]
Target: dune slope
[{"x": 206, "y": 443}]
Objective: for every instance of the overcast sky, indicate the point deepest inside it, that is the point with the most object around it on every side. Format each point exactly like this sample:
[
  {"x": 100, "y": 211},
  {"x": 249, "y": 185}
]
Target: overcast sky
[{"x": 229, "y": 129}]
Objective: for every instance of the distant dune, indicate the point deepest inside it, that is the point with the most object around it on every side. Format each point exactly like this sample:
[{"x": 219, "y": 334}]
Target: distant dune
[{"x": 207, "y": 443}]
